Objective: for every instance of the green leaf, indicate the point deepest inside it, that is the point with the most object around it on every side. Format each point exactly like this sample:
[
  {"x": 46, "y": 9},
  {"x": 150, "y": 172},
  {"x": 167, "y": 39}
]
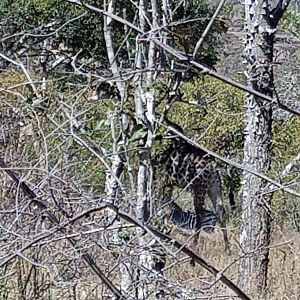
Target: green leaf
[
  {"x": 100, "y": 124},
  {"x": 137, "y": 135}
]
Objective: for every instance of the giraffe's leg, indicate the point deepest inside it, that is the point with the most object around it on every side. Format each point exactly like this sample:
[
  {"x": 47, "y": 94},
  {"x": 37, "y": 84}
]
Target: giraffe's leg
[
  {"x": 167, "y": 189},
  {"x": 199, "y": 196},
  {"x": 215, "y": 194}
]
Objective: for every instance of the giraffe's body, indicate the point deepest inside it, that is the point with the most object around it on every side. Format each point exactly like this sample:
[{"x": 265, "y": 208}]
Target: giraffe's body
[{"x": 188, "y": 167}]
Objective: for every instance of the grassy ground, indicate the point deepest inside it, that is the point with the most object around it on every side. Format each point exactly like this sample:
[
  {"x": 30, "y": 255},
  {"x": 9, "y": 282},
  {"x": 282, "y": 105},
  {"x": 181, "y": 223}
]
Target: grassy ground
[
  {"x": 284, "y": 271},
  {"x": 284, "y": 266}
]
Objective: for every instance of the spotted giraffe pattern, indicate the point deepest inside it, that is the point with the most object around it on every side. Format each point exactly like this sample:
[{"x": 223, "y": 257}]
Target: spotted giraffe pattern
[
  {"x": 191, "y": 168},
  {"x": 188, "y": 167}
]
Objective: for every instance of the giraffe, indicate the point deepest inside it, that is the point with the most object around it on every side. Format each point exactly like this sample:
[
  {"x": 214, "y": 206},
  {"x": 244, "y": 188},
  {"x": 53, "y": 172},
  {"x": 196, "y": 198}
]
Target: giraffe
[{"x": 188, "y": 167}]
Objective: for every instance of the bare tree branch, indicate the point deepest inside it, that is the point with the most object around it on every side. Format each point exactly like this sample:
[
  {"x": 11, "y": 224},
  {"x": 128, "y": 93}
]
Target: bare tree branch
[
  {"x": 86, "y": 256},
  {"x": 207, "y": 71},
  {"x": 183, "y": 249},
  {"x": 192, "y": 62},
  {"x": 101, "y": 11},
  {"x": 290, "y": 165},
  {"x": 21, "y": 65},
  {"x": 158, "y": 234},
  {"x": 276, "y": 14},
  {"x": 287, "y": 170},
  {"x": 210, "y": 23},
  {"x": 233, "y": 163}
]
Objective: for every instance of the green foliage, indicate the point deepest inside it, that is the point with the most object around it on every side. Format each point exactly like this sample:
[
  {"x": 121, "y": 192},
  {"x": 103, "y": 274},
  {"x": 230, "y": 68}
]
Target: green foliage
[
  {"x": 286, "y": 141},
  {"x": 4, "y": 289},
  {"x": 216, "y": 118},
  {"x": 79, "y": 31},
  {"x": 33, "y": 17},
  {"x": 291, "y": 21},
  {"x": 137, "y": 135},
  {"x": 62, "y": 150}
]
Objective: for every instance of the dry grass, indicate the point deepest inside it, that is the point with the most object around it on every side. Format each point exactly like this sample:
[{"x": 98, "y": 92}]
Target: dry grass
[
  {"x": 284, "y": 270},
  {"x": 284, "y": 266}
]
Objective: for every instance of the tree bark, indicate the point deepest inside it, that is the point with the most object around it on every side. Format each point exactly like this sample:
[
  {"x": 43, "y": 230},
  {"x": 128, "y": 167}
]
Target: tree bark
[
  {"x": 260, "y": 27},
  {"x": 145, "y": 111},
  {"x": 111, "y": 185}
]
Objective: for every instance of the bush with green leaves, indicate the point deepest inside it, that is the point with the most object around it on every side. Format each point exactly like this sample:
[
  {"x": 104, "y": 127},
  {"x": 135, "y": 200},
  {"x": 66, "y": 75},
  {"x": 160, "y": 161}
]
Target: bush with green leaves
[
  {"x": 291, "y": 21},
  {"x": 26, "y": 23},
  {"x": 212, "y": 113}
]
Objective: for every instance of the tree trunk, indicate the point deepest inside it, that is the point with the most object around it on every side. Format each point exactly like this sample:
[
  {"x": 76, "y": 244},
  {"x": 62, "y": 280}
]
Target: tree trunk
[
  {"x": 117, "y": 164},
  {"x": 260, "y": 27},
  {"x": 145, "y": 110}
]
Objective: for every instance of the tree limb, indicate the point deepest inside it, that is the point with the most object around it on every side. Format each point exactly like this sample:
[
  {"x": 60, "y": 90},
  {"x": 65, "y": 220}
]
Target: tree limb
[
  {"x": 233, "y": 163},
  {"x": 86, "y": 256},
  {"x": 158, "y": 234},
  {"x": 205, "y": 32},
  {"x": 183, "y": 249},
  {"x": 277, "y": 13},
  {"x": 207, "y": 71},
  {"x": 190, "y": 61},
  {"x": 287, "y": 170}
]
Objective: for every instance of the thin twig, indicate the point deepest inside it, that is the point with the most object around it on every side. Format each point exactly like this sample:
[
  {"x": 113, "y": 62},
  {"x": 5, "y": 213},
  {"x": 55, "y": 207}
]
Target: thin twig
[
  {"x": 189, "y": 60},
  {"x": 89, "y": 259},
  {"x": 210, "y": 23},
  {"x": 231, "y": 162},
  {"x": 53, "y": 218}
]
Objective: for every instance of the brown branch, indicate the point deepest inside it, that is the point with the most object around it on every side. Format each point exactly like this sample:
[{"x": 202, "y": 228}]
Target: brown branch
[
  {"x": 233, "y": 163},
  {"x": 190, "y": 61},
  {"x": 183, "y": 249},
  {"x": 125, "y": 216},
  {"x": 87, "y": 257},
  {"x": 210, "y": 23},
  {"x": 225, "y": 79}
]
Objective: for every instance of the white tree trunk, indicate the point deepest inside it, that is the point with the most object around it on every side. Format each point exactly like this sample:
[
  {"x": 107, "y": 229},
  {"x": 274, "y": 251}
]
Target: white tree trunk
[
  {"x": 260, "y": 30},
  {"x": 146, "y": 116},
  {"x": 117, "y": 164},
  {"x": 143, "y": 198}
]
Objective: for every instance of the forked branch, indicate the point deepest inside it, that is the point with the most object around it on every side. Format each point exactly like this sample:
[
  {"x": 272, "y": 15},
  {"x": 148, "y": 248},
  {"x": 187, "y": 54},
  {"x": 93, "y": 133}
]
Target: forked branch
[
  {"x": 188, "y": 60},
  {"x": 42, "y": 206},
  {"x": 125, "y": 216}
]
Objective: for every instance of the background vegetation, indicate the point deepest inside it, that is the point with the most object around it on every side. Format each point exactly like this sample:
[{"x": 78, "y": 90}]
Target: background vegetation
[{"x": 48, "y": 142}]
